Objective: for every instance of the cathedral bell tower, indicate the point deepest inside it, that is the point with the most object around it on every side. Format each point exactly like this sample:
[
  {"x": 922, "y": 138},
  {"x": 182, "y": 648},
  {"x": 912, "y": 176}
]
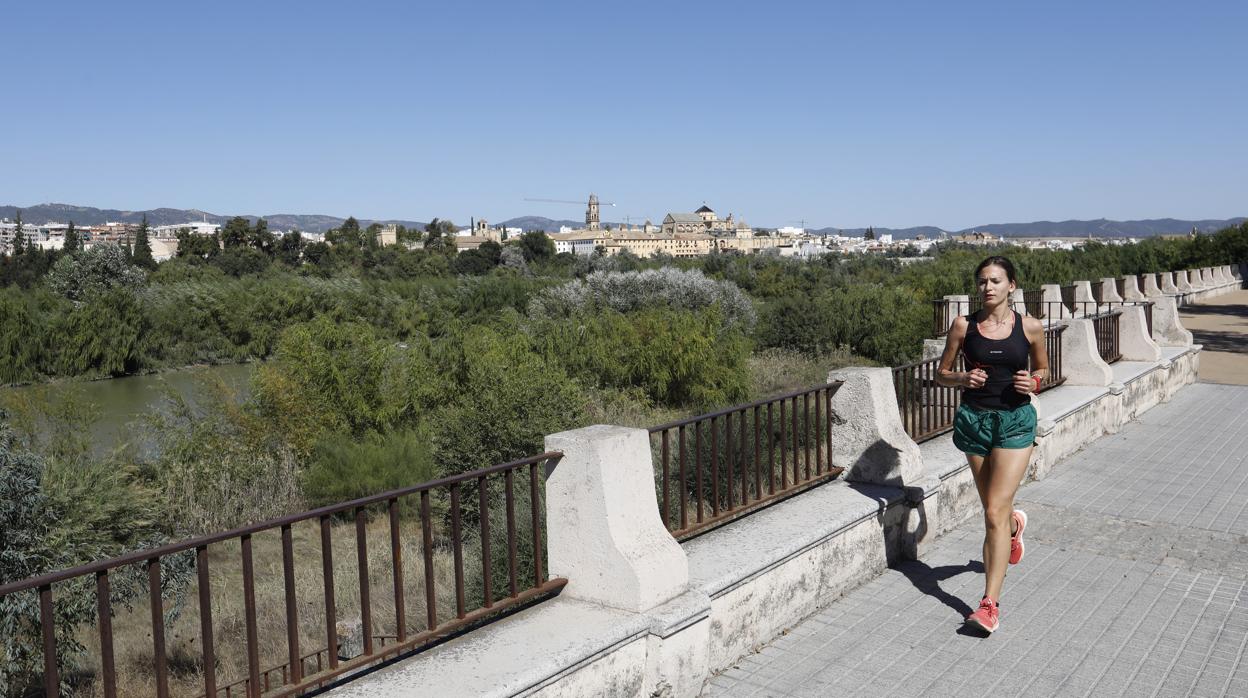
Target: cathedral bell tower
[{"x": 591, "y": 214}]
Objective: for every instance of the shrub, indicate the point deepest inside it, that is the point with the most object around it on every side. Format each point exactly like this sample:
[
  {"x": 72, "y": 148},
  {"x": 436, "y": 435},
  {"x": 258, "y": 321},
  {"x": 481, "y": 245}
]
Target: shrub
[
  {"x": 90, "y": 273},
  {"x": 632, "y": 291},
  {"x": 342, "y": 469}
]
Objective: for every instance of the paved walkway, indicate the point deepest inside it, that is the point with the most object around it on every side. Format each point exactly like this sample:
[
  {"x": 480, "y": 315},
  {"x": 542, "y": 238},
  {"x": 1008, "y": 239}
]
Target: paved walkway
[
  {"x": 1221, "y": 325},
  {"x": 1135, "y": 583}
]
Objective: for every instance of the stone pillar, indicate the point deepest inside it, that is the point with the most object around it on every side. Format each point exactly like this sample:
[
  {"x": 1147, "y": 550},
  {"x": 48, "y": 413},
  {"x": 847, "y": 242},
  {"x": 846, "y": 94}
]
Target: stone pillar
[
  {"x": 1054, "y": 308},
  {"x": 1081, "y": 363},
  {"x": 604, "y": 533},
  {"x": 1182, "y": 283},
  {"x": 1168, "y": 286},
  {"x": 1131, "y": 288},
  {"x": 1133, "y": 339},
  {"x": 869, "y": 441},
  {"x": 1222, "y": 274},
  {"x": 1085, "y": 303},
  {"x": 957, "y": 305},
  {"x": 1167, "y": 330},
  {"x": 1017, "y": 303},
  {"x": 1109, "y": 290},
  {"x": 1150, "y": 286}
]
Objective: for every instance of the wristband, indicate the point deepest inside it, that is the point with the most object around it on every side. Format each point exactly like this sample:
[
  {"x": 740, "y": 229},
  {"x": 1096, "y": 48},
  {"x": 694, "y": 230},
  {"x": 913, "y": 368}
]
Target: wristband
[{"x": 1037, "y": 380}]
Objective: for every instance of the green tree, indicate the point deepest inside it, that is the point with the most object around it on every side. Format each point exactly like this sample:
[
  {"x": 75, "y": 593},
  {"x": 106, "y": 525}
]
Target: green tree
[
  {"x": 290, "y": 248},
  {"x": 99, "y": 269},
  {"x": 142, "y": 248},
  {"x": 197, "y": 247},
  {"x": 236, "y": 233},
  {"x": 261, "y": 238},
  {"x": 19, "y": 240},
  {"x": 72, "y": 242},
  {"x": 537, "y": 246}
]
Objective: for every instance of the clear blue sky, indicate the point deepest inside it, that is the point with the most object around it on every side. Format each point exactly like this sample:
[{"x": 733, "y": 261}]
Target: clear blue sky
[{"x": 840, "y": 113}]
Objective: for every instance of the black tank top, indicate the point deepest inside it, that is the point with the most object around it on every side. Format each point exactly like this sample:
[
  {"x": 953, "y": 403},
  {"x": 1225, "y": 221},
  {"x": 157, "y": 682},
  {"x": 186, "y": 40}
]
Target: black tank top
[{"x": 1000, "y": 358}]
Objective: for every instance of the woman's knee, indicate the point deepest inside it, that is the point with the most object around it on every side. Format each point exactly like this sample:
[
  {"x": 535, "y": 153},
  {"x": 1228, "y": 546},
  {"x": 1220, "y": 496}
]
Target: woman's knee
[{"x": 997, "y": 514}]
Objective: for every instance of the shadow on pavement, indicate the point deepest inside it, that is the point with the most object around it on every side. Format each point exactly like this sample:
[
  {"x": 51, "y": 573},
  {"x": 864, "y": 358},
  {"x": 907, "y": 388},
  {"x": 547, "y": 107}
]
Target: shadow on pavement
[
  {"x": 927, "y": 580},
  {"x": 1212, "y": 340},
  {"x": 1236, "y": 310}
]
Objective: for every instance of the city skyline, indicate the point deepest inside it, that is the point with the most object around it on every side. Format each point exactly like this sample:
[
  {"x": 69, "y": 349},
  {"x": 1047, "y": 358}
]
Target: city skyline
[{"x": 895, "y": 116}]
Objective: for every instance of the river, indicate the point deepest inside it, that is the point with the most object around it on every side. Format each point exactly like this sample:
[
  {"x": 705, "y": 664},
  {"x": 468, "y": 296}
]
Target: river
[{"x": 120, "y": 402}]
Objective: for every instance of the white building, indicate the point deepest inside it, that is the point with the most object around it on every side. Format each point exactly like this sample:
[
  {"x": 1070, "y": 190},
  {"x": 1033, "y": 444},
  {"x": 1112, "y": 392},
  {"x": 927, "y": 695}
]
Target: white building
[{"x": 194, "y": 227}]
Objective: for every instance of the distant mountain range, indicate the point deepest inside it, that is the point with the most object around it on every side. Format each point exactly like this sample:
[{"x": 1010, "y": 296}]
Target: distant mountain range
[
  {"x": 1101, "y": 228},
  {"x": 86, "y": 215}
]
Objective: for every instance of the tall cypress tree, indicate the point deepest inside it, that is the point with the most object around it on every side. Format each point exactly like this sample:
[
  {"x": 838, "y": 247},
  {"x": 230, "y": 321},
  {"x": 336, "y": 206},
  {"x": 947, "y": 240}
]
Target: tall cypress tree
[
  {"x": 142, "y": 248},
  {"x": 72, "y": 243},
  {"x": 19, "y": 240}
]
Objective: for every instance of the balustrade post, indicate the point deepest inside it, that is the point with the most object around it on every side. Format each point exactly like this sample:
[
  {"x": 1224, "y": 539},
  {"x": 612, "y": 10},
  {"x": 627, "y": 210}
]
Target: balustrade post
[
  {"x": 1168, "y": 285},
  {"x": 1168, "y": 331},
  {"x": 870, "y": 442},
  {"x": 1131, "y": 290},
  {"x": 1085, "y": 302},
  {"x": 1054, "y": 309},
  {"x": 1134, "y": 342},
  {"x": 604, "y": 533},
  {"x": 1081, "y": 362},
  {"x": 1109, "y": 291}
]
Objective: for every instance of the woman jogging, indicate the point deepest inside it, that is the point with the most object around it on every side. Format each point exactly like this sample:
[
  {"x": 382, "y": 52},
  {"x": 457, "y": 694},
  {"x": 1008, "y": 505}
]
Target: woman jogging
[{"x": 996, "y": 425}]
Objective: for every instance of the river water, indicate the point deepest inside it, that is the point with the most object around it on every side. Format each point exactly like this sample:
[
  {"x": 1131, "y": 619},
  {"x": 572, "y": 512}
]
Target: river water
[{"x": 121, "y": 403}]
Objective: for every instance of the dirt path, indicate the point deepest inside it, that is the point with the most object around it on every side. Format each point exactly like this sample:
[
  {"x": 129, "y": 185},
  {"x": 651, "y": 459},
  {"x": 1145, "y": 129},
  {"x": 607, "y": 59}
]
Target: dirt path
[{"x": 1221, "y": 325}]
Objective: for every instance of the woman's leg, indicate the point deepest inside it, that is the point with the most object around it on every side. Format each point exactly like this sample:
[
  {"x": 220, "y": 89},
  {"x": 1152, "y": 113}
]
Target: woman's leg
[
  {"x": 1000, "y": 477},
  {"x": 979, "y": 470}
]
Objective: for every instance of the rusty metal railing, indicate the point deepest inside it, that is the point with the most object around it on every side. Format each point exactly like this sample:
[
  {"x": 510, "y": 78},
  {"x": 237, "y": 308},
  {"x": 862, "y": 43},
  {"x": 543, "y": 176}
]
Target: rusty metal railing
[
  {"x": 1033, "y": 301},
  {"x": 717, "y": 467},
  {"x": 1106, "y": 326},
  {"x": 1068, "y": 296},
  {"x": 452, "y": 493},
  {"x": 927, "y": 408},
  {"x": 1053, "y": 347}
]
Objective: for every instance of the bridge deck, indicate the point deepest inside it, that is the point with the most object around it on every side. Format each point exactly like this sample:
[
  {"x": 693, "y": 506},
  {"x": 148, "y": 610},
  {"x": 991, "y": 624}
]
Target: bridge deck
[{"x": 1135, "y": 583}]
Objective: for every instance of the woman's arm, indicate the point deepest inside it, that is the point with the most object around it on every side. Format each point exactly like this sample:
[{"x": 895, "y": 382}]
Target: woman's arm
[
  {"x": 945, "y": 375},
  {"x": 1025, "y": 382}
]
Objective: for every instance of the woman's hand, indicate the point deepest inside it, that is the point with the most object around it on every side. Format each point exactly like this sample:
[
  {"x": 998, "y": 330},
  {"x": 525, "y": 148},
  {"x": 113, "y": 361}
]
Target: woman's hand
[
  {"x": 1024, "y": 383},
  {"x": 976, "y": 377}
]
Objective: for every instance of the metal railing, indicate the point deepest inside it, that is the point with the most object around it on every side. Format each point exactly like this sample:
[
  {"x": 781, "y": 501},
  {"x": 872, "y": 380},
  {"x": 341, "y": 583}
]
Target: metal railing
[
  {"x": 1106, "y": 326},
  {"x": 453, "y": 495},
  {"x": 944, "y": 311},
  {"x": 1053, "y": 347},
  {"x": 717, "y": 467},
  {"x": 927, "y": 408},
  {"x": 1068, "y": 296},
  {"x": 1098, "y": 290},
  {"x": 1033, "y": 301}
]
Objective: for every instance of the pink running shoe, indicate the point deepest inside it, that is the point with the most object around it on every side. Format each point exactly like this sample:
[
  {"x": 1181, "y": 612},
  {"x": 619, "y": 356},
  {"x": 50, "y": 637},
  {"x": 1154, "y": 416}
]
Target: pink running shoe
[
  {"x": 986, "y": 617},
  {"x": 1016, "y": 541}
]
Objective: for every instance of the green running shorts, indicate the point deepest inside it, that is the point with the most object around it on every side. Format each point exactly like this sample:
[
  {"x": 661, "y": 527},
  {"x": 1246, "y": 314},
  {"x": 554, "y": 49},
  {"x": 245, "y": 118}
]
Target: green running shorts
[{"x": 979, "y": 431}]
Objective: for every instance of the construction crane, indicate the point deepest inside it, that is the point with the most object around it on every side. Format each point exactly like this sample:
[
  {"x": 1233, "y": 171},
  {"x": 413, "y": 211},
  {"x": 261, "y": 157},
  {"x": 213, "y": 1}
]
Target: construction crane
[{"x": 565, "y": 201}]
